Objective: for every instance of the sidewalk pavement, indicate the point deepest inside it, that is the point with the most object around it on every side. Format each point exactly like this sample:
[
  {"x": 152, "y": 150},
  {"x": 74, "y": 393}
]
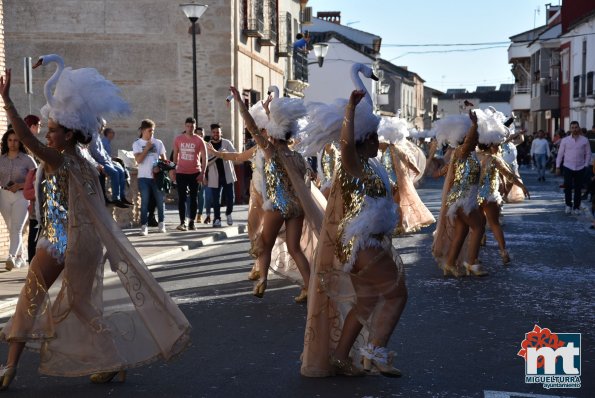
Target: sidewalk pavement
[{"x": 153, "y": 248}]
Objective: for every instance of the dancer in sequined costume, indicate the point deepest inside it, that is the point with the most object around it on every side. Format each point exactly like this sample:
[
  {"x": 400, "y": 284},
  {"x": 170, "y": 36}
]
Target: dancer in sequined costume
[
  {"x": 460, "y": 221},
  {"x": 327, "y": 160},
  {"x": 79, "y": 331},
  {"x": 280, "y": 201},
  {"x": 359, "y": 294}
]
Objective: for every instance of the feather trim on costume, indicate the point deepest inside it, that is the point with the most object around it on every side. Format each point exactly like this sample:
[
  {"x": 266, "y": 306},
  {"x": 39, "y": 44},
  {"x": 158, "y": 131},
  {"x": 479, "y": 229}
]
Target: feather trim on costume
[
  {"x": 452, "y": 129},
  {"x": 326, "y": 120},
  {"x": 378, "y": 217},
  {"x": 468, "y": 203},
  {"x": 259, "y": 115},
  {"x": 392, "y": 129},
  {"x": 81, "y": 98},
  {"x": 490, "y": 126},
  {"x": 284, "y": 116}
]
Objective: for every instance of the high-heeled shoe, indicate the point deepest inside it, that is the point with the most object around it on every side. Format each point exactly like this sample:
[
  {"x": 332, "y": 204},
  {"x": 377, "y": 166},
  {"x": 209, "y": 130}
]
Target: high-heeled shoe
[
  {"x": 259, "y": 288},
  {"x": 505, "y": 257},
  {"x": 379, "y": 359},
  {"x": 451, "y": 270},
  {"x": 106, "y": 377},
  {"x": 254, "y": 275},
  {"x": 7, "y": 375},
  {"x": 474, "y": 269},
  {"x": 345, "y": 367},
  {"x": 302, "y": 297}
]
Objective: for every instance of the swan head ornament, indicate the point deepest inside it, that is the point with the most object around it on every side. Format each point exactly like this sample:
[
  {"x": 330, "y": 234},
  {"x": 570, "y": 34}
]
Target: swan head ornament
[
  {"x": 273, "y": 90},
  {"x": 364, "y": 70},
  {"x": 82, "y": 97}
]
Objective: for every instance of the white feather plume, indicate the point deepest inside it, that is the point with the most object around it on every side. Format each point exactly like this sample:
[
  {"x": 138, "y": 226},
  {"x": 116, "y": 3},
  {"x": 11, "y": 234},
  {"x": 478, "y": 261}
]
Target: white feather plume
[
  {"x": 392, "y": 129},
  {"x": 452, "y": 129},
  {"x": 284, "y": 116},
  {"x": 490, "y": 126},
  {"x": 325, "y": 122},
  {"x": 81, "y": 98},
  {"x": 259, "y": 115}
]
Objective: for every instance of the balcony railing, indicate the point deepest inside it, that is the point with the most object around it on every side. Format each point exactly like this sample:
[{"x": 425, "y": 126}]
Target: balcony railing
[
  {"x": 521, "y": 89},
  {"x": 300, "y": 65},
  {"x": 268, "y": 38},
  {"x": 254, "y": 28}
]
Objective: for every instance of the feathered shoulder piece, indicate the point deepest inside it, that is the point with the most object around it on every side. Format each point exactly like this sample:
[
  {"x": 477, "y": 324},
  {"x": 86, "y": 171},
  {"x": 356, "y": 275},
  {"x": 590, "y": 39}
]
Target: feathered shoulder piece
[{"x": 82, "y": 98}]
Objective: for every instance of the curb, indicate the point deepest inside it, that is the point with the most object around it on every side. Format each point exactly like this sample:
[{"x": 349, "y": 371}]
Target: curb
[{"x": 229, "y": 232}]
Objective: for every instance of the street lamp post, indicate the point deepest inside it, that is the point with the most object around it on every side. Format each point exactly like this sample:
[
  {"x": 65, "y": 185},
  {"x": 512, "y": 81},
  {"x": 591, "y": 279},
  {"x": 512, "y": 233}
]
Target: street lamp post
[
  {"x": 193, "y": 12},
  {"x": 320, "y": 50}
]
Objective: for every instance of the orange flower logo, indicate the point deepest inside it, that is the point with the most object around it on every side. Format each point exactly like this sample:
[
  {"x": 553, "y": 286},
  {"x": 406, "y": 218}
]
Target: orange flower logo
[{"x": 538, "y": 338}]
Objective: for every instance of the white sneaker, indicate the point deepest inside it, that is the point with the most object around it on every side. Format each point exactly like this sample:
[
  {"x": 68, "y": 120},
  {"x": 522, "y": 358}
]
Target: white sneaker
[
  {"x": 144, "y": 230},
  {"x": 19, "y": 262},
  {"x": 229, "y": 220},
  {"x": 10, "y": 263},
  {"x": 217, "y": 223},
  {"x": 576, "y": 212},
  {"x": 161, "y": 227},
  {"x": 568, "y": 210}
]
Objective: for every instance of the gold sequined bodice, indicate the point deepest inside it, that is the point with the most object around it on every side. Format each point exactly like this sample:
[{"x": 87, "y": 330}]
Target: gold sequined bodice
[
  {"x": 353, "y": 191},
  {"x": 489, "y": 183},
  {"x": 54, "y": 208},
  {"x": 387, "y": 161},
  {"x": 279, "y": 190},
  {"x": 328, "y": 162},
  {"x": 466, "y": 174}
]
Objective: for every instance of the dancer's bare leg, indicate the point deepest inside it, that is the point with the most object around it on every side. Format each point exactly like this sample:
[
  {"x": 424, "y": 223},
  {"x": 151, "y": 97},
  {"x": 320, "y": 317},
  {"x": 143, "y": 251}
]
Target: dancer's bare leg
[
  {"x": 375, "y": 277},
  {"x": 460, "y": 233},
  {"x": 44, "y": 269},
  {"x": 293, "y": 235},
  {"x": 492, "y": 213},
  {"x": 272, "y": 223},
  {"x": 476, "y": 222}
]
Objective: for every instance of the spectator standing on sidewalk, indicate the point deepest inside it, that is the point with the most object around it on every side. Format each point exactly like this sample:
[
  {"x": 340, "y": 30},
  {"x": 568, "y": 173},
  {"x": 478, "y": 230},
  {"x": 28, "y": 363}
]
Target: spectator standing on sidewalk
[
  {"x": 575, "y": 152},
  {"x": 540, "y": 153},
  {"x": 202, "y": 204},
  {"x": 147, "y": 151},
  {"x": 190, "y": 156},
  {"x": 14, "y": 166},
  {"x": 221, "y": 177}
]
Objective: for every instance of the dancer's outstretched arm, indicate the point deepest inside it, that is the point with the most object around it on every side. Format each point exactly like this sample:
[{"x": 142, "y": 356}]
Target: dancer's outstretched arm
[
  {"x": 259, "y": 137},
  {"x": 471, "y": 139},
  {"x": 50, "y": 156},
  {"x": 349, "y": 156}
]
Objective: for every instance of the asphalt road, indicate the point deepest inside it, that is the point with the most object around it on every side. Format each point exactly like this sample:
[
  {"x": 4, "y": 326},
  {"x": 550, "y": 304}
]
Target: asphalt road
[{"x": 457, "y": 338}]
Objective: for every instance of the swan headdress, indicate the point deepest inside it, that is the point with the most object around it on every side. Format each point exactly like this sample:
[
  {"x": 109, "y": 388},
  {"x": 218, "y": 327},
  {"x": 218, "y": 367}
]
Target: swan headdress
[
  {"x": 285, "y": 117},
  {"x": 392, "y": 129},
  {"x": 491, "y": 127},
  {"x": 452, "y": 129},
  {"x": 81, "y": 99}
]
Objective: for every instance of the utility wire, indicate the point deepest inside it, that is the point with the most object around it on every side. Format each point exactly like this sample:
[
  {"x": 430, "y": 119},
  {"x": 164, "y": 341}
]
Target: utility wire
[{"x": 445, "y": 51}]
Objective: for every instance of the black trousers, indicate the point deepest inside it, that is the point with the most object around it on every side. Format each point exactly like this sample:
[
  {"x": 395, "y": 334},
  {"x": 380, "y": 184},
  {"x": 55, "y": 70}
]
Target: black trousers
[
  {"x": 187, "y": 184},
  {"x": 573, "y": 180}
]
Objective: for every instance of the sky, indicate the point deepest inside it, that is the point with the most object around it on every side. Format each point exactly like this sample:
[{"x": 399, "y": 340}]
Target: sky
[{"x": 401, "y": 22}]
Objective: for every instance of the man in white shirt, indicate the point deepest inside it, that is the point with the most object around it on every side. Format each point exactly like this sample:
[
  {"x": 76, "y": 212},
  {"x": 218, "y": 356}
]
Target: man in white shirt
[
  {"x": 540, "y": 153},
  {"x": 147, "y": 151},
  {"x": 575, "y": 152}
]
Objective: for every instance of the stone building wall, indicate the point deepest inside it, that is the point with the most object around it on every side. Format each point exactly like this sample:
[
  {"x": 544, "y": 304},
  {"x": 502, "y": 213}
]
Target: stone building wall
[{"x": 3, "y": 123}]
